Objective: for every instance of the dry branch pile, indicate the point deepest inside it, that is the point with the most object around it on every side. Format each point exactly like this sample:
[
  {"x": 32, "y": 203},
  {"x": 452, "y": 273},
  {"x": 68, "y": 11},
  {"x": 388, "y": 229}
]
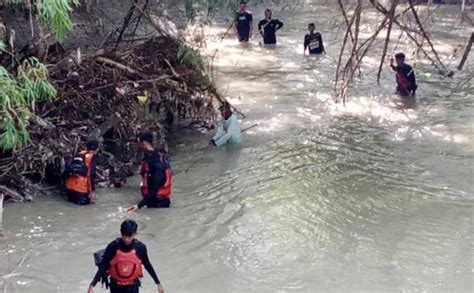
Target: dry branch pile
[{"x": 110, "y": 96}]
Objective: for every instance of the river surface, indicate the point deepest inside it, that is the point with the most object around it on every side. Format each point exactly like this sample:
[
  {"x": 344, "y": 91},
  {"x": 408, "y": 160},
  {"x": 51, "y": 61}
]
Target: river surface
[{"x": 319, "y": 198}]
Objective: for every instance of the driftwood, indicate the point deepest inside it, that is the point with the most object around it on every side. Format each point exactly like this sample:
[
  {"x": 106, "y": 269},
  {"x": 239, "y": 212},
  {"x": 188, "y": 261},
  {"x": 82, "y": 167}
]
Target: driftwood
[
  {"x": 116, "y": 64},
  {"x": 466, "y": 52},
  {"x": 109, "y": 91},
  {"x": 9, "y": 194}
]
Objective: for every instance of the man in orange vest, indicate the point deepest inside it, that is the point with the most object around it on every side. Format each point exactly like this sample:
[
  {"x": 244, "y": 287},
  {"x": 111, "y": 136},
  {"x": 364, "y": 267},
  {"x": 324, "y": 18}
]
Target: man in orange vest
[
  {"x": 122, "y": 263},
  {"x": 81, "y": 172},
  {"x": 156, "y": 173}
]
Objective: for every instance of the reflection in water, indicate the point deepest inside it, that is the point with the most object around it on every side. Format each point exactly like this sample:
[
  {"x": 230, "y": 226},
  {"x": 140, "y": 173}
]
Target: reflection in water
[{"x": 367, "y": 197}]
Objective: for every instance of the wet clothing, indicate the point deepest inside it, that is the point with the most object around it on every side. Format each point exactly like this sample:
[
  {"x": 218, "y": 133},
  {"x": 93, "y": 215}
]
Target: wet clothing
[
  {"x": 314, "y": 42},
  {"x": 109, "y": 255},
  {"x": 228, "y": 132},
  {"x": 79, "y": 187},
  {"x": 268, "y": 28},
  {"x": 406, "y": 81},
  {"x": 114, "y": 288},
  {"x": 156, "y": 179},
  {"x": 243, "y": 21},
  {"x": 78, "y": 197}
]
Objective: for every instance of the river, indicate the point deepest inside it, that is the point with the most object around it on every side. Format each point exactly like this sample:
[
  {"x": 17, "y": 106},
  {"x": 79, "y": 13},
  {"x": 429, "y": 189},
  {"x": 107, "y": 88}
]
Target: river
[{"x": 319, "y": 198}]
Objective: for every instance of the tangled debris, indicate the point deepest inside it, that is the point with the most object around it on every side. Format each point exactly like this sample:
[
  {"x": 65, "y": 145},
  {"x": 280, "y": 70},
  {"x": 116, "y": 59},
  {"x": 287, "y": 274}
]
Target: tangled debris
[{"x": 110, "y": 96}]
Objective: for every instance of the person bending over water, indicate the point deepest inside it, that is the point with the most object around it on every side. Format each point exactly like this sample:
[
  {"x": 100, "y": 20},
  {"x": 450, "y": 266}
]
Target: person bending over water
[
  {"x": 156, "y": 175},
  {"x": 80, "y": 175},
  {"x": 405, "y": 76},
  {"x": 243, "y": 23},
  {"x": 268, "y": 28},
  {"x": 313, "y": 42},
  {"x": 228, "y": 130},
  {"x": 121, "y": 264}
]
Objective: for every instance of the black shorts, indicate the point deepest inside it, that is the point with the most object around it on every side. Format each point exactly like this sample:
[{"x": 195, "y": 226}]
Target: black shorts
[
  {"x": 78, "y": 197},
  {"x": 159, "y": 202},
  {"x": 114, "y": 288}
]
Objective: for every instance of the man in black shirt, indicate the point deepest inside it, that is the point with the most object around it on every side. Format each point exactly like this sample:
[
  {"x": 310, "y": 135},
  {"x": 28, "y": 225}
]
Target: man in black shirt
[
  {"x": 268, "y": 27},
  {"x": 122, "y": 263},
  {"x": 313, "y": 41},
  {"x": 244, "y": 23},
  {"x": 156, "y": 174},
  {"x": 405, "y": 77}
]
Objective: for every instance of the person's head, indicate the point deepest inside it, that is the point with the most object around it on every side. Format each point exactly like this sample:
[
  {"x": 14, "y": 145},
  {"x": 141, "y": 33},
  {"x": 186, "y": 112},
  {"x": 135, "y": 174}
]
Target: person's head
[
  {"x": 92, "y": 145},
  {"x": 145, "y": 140},
  {"x": 128, "y": 229},
  {"x": 268, "y": 13},
  {"x": 311, "y": 27},
  {"x": 400, "y": 58},
  {"x": 243, "y": 6},
  {"x": 226, "y": 110}
]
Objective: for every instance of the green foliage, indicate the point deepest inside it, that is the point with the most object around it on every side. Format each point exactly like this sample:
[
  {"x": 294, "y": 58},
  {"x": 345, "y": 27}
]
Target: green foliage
[
  {"x": 52, "y": 13},
  {"x": 18, "y": 96},
  {"x": 189, "y": 56}
]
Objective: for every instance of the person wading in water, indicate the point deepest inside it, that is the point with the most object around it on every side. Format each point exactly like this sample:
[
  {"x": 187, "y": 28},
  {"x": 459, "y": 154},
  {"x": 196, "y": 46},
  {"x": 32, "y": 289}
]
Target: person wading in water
[
  {"x": 80, "y": 175},
  {"x": 121, "y": 264},
  {"x": 156, "y": 173},
  {"x": 405, "y": 76},
  {"x": 313, "y": 42},
  {"x": 268, "y": 28},
  {"x": 243, "y": 23},
  {"x": 228, "y": 130}
]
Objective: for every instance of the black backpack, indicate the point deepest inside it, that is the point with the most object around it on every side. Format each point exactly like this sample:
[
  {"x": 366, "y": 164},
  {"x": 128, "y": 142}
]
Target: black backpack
[{"x": 76, "y": 167}]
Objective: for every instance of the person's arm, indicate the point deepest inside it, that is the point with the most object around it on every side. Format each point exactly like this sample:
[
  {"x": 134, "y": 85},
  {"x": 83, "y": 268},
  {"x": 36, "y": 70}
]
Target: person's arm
[
  {"x": 306, "y": 43},
  {"x": 155, "y": 182},
  {"x": 93, "y": 172},
  {"x": 147, "y": 264},
  {"x": 321, "y": 42},
  {"x": 104, "y": 265},
  {"x": 279, "y": 24},
  {"x": 260, "y": 24},
  {"x": 143, "y": 254}
]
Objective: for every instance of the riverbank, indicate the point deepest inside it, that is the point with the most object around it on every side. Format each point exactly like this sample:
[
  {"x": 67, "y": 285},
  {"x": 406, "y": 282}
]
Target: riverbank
[{"x": 110, "y": 95}]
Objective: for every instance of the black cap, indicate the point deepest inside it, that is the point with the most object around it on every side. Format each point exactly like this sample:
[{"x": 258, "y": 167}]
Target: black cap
[
  {"x": 92, "y": 145},
  {"x": 145, "y": 136},
  {"x": 128, "y": 228}
]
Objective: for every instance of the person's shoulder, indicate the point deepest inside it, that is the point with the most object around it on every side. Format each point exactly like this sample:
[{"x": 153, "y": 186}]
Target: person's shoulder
[
  {"x": 138, "y": 244},
  {"x": 318, "y": 34},
  {"x": 113, "y": 243}
]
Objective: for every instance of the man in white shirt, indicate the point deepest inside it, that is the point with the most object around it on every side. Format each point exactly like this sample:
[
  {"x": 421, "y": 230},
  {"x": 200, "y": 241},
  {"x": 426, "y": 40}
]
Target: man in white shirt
[{"x": 228, "y": 130}]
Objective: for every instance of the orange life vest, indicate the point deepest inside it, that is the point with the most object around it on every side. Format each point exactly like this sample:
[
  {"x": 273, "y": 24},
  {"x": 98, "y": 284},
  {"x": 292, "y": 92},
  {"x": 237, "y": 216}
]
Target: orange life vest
[
  {"x": 165, "y": 190},
  {"x": 126, "y": 268},
  {"x": 82, "y": 184}
]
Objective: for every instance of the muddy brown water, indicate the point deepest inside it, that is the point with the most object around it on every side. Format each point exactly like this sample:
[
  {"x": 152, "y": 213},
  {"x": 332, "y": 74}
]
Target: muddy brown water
[{"x": 319, "y": 198}]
